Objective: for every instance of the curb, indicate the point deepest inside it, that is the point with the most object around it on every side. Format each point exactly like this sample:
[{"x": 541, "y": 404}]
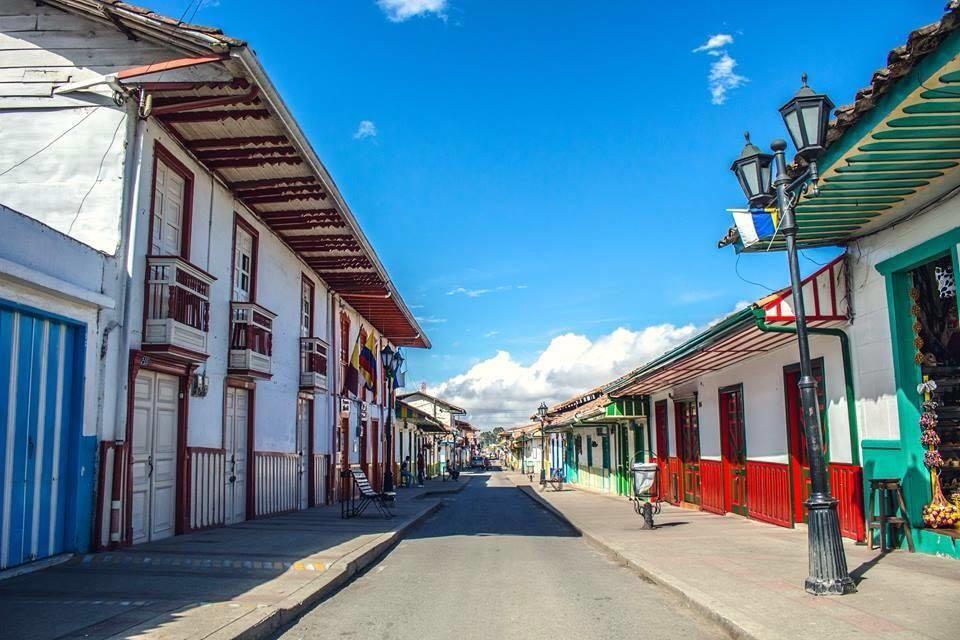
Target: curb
[
  {"x": 697, "y": 600},
  {"x": 271, "y": 618}
]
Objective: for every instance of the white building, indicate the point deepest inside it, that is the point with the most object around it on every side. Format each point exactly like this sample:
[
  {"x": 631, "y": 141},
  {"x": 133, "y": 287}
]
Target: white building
[{"x": 222, "y": 273}]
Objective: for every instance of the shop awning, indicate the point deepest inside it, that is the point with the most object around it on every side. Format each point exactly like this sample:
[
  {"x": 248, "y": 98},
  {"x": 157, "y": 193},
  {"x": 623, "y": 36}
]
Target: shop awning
[
  {"x": 738, "y": 336},
  {"x": 896, "y": 149},
  {"x": 424, "y": 421}
]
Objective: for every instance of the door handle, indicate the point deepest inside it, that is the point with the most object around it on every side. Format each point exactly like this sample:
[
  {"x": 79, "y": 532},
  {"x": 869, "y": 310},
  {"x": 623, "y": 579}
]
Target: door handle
[{"x": 150, "y": 462}]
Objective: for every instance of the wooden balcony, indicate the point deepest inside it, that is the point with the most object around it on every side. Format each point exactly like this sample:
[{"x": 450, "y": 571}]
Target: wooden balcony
[
  {"x": 313, "y": 364},
  {"x": 251, "y": 340},
  {"x": 176, "y": 308}
]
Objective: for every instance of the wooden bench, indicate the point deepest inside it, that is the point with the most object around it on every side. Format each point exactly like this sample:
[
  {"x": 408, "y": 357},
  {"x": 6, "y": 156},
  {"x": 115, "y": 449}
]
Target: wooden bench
[{"x": 356, "y": 506}]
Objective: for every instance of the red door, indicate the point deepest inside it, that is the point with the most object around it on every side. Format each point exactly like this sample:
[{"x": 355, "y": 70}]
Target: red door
[
  {"x": 663, "y": 450},
  {"x": 688, "y": 449},
  {"x": 374, "y": 474},
  {"x": 797, "y": 440},
  {"x": 733, "y": 449}
]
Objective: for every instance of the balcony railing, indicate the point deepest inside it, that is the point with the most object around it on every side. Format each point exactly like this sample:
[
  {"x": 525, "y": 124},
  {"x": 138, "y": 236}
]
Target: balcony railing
[
  {"x": 177, "y": 307},
  {"x": 251, "y": 339},
  {"x": 313, "y": 363}
]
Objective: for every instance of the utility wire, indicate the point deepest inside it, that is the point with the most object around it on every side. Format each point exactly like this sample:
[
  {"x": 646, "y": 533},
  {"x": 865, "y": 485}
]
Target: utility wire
[
  {"x": 736, "y": 268},
  {"x": 96, "y": 180},
  {"x": 50, "y": 144}
]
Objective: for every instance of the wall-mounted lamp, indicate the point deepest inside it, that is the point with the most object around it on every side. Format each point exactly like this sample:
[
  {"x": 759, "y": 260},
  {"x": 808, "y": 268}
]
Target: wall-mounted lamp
[{"x": 200, "y": 385}]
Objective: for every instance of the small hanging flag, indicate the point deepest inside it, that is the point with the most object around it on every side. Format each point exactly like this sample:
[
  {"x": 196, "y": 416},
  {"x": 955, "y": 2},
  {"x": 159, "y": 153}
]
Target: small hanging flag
[{"x": 755, "y": 225}]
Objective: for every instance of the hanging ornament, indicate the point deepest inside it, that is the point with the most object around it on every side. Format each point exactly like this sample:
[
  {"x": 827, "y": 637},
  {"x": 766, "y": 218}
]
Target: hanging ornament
[{"x": 945, "y": 282}]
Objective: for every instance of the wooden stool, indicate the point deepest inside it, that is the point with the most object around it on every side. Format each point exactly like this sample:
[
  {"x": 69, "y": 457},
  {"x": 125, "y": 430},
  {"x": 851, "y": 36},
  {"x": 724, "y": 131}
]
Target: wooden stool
[{"x": 889, "y": 494}]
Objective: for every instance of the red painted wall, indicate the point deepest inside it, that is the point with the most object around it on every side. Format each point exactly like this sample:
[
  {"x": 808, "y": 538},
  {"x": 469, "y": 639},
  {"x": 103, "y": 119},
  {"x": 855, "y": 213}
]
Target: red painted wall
[
  {"x": 711, "y": 486},
  {"x": 768, "y": 492},
  {"x": 673, "y": 481},
  {"x": 846, "y": 485}
]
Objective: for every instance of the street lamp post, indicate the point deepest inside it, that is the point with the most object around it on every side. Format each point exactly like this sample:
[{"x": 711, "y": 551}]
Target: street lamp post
[
  {"x": 806, "y": 116},
  {"x": 391, "y": 360},
  {"x": 542, "y": 414}
]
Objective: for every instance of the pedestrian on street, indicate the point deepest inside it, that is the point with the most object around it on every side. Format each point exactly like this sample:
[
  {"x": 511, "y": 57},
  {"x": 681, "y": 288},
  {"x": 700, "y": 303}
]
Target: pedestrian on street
[
  {"x": 406, "y": 477},
  {"x": 420, "y": 469}
]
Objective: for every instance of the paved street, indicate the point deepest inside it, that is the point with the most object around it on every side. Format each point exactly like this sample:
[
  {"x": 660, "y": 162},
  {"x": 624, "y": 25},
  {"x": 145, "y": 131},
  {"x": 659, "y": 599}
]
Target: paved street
[{"x": 492, "y": 564}]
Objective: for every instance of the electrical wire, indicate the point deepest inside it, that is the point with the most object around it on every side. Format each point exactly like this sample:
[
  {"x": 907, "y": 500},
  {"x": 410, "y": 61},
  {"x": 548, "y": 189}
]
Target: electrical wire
[
  {"x": 51, "y": 143},
  {"x": 822, "y": 264},
  {"x": 736, "y": 267},
  {"x": 96, "y": 180}
]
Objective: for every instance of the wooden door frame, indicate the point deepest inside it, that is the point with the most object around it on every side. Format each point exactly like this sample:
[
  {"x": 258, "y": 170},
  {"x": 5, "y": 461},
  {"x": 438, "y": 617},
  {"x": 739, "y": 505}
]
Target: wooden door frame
[
  {"x": 676, "y": 427},
  {"x": 156, "y": 363},
  {"x": 725, "y": 447},
  {"x": 250, "y": 480},
  {"x": 308, "y": 399},
  {"x": 162, "y": 154},
  {"x": 796, "y": 509},
  {"x": 374, "y": 438}
]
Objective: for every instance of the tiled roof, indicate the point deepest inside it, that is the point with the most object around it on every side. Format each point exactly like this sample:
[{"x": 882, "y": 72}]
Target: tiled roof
[{"x": 233, "y": 121}]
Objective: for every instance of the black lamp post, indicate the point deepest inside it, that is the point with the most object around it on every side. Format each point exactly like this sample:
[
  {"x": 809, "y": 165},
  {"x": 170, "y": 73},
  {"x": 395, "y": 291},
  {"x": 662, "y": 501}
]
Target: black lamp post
[
  {"x": 391, "y": 361},
  {"x": 806, "y": 116},
  {"x": 542, "y": 414}
]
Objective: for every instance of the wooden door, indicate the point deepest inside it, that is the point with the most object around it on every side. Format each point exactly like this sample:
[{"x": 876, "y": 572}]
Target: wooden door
[
  {"x": 796, "y": 438},
  {"x": 733, "y": 447},
  {"x": 168, "y": 211},
  {"x": 376, "y": 478},
  {"x": 663, "y": 449},
  {"x": 237, "y": 423},
  {"x": 304, "y": 415},
  {"x": 154, "y": 450},
  {"x": 688, "y": 450}
]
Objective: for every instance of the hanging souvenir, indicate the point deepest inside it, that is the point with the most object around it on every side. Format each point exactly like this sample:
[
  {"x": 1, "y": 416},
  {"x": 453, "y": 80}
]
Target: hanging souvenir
[{"x": 945, "y": 282}]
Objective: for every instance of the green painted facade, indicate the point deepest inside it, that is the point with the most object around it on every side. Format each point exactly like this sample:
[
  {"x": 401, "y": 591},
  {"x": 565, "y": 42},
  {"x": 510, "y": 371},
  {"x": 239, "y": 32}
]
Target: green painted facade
[{"x": 903, "y": 458}]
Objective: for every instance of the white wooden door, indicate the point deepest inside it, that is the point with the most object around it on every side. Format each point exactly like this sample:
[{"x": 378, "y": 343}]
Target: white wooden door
[
  {"x": 154, "y": 450},
  {"x": 235, "y": 443},
  {"x": 303, "y": 448},
  {"x": 167, "y": 211}
]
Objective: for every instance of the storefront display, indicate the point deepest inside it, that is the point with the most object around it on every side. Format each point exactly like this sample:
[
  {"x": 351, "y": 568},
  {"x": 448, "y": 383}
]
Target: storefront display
[{"x": 937, "y": 342}]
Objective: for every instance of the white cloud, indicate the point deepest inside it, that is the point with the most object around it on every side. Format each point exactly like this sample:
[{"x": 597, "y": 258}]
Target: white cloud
[
  {"x": 430, "y": 320},
  {"x": 491, "y": 334},
  {"x": 716, "y": 41},
  {"x": 723, "y": 78},
  {"x": 401, "y": 10},
  {"x": 366, "y": 129},
  {"x": 476, "y": 293},
  {"x": 500, "y": 391}
]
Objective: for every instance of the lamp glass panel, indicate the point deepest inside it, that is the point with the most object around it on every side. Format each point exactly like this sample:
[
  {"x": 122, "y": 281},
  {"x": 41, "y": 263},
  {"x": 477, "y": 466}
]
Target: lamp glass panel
[
  {"x": 750, "y": 172},
  {"x": 765, "y": 177},
  {"x": 811, "y": 122},
  {"x": 792, "y": 121}
]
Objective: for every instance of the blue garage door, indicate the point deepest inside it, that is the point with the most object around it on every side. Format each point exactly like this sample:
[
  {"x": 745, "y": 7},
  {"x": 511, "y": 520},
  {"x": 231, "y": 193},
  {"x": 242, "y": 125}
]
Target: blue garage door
[{"x": 40, "y": 405}]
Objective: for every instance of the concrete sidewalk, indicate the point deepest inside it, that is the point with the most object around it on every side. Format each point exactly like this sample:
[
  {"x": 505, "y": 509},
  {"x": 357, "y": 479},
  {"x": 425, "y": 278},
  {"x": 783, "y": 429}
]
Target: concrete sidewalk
[
  {"x": 748, "y": 575},
  {"x": 242, "y": 581}
]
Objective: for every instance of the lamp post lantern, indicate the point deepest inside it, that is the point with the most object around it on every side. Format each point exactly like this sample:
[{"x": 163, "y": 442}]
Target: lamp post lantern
[
  {"x": 542, "y": 414},
  {"x": 805, "y": 117}
]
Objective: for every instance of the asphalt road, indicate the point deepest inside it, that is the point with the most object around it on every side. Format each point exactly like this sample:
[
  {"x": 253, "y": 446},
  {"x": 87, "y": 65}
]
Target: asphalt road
[{"x": 493, "y": 564}]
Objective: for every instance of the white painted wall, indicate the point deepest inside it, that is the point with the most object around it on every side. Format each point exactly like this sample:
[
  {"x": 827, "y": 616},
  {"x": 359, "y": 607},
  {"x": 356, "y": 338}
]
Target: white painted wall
[
  {"x": 764, "y": 403},
  {"x": 870, "y": 334}
]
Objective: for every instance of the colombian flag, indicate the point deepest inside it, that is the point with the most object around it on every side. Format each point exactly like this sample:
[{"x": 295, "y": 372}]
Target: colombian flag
[
  {"x": 755, "y": 225},
  {"x": 368, "y": 362}
]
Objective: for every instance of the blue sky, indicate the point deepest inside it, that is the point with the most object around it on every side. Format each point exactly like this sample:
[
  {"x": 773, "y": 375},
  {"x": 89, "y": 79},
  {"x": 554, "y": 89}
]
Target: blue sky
[{"x": 540, "y": 169}]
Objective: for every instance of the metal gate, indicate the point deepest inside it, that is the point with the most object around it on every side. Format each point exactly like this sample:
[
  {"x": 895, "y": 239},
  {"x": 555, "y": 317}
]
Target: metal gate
[{"x": 41, "y": 379}]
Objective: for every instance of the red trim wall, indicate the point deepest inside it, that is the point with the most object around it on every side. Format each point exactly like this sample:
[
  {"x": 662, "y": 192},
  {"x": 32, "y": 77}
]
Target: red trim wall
[
  {"x": 846, "y": 485},
  {"x": 768, "y": 492},
  {"x": 673, "y": 480},
  {"x": 711, "y": 486}
]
